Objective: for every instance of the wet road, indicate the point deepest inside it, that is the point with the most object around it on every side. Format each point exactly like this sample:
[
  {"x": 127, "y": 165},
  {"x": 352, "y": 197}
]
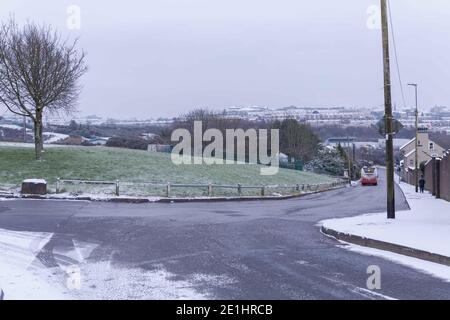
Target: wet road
[{"x": 229, "y": 250}]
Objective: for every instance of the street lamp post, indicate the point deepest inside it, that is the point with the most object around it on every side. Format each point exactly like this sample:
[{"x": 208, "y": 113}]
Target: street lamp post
[{"x": 417, "y": 139}]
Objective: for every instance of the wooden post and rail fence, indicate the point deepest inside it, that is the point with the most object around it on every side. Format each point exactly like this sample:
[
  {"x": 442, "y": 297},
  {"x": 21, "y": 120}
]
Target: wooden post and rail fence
[{"x": 168, "y": 187}]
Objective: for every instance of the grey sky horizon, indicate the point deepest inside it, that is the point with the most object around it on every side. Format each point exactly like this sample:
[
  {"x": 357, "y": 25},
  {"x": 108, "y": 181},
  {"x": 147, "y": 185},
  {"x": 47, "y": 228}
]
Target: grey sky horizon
[{"x": 158, "y": 58}]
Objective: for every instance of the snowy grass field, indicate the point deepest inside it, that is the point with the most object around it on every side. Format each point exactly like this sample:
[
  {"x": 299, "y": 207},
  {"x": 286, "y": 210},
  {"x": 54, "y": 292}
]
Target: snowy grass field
[{"x": 136, "y": 166}]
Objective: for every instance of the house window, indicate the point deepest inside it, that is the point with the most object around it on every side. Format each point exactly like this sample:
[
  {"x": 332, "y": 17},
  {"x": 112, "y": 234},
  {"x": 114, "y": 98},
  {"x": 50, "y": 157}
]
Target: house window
[{"x": 431, "y": 145}]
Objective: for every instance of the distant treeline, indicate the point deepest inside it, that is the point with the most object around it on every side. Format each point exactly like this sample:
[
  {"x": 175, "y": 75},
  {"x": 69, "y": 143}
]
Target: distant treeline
[{"x": 297, "y": 140}]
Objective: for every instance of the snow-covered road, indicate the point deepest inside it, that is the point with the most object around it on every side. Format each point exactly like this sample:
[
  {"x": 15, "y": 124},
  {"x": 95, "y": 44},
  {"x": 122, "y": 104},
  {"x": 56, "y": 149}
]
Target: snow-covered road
[
  {"x": 229, "y": 250},
  {"x": 22, "y": 276}
]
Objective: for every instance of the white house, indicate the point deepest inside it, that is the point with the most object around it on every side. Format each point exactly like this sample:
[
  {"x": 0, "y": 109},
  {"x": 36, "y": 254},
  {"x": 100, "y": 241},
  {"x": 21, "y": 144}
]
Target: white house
[{"x": 427, "y": 149}]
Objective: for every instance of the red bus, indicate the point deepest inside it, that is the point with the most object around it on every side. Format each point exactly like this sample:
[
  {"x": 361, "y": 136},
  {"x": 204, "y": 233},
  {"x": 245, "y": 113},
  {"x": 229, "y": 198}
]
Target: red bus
[{"x": 369, "y": 176}]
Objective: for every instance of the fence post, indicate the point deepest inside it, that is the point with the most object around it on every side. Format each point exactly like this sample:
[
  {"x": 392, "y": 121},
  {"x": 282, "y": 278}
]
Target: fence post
[
  {"x": 117, "y": 188},
  {"x": 168, "y": 190},
  {"x": 438, "y": 178},
  {"x": 239, "y": 189},
  {"x": 57, "y": 185},
  {"x": 263, "y": 191},
  {"x": 209, "y": 190},
  {"x": 433, "y": 176}
]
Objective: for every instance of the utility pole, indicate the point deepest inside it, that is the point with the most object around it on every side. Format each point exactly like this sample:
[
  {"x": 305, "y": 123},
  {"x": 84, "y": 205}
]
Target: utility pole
[
  {"x": 354, "y": 153},
  {"x": 388, "y": 114},
  {"x": 417, "y": 140}
]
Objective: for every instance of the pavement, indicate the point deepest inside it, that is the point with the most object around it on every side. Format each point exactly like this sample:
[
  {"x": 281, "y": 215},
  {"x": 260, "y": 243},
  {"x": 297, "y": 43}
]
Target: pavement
[
  {"x": 230, "y": 250},
  {"x": 427, "y": 217}
]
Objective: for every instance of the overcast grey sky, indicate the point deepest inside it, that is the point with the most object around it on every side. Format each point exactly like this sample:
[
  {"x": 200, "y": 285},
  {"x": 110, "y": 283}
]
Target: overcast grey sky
[{"x": 152, "y": 58}]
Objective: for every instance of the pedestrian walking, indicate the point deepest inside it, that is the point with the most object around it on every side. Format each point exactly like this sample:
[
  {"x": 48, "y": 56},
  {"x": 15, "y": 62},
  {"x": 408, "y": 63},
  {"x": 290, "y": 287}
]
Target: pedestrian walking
[{"x": 422, "y": 184}]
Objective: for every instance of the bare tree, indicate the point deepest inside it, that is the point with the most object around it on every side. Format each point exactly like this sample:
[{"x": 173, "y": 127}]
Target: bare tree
[{"x": 38, "y": 72}]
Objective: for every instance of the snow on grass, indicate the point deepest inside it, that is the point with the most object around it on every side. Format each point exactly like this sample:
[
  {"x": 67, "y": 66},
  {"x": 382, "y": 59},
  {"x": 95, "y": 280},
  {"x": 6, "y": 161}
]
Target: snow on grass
[
  {"x": 28, "y": 145},
  {"x": 49, "y": 137},
  {"x": 96, "y": 197},
  {"x": 53, "y": 137},
  {"x": 137, "y": 166}
]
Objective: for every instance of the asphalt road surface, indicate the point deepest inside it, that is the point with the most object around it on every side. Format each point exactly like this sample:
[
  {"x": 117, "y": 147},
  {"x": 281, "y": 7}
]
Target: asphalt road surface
[{"x": 224, "y": 250}]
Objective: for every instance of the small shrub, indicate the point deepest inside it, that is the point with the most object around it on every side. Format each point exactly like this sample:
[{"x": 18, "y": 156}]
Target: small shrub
[{"x": 128, "y": 143}]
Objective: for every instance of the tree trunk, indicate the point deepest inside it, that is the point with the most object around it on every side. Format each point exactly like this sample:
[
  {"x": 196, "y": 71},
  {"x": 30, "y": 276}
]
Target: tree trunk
[
  {"x": 41, "y": 136},
  {"x": 38, "y": 141}
]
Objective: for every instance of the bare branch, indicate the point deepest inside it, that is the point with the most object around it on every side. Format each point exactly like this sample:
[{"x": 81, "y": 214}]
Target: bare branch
[{"x": 38, "y": 71}]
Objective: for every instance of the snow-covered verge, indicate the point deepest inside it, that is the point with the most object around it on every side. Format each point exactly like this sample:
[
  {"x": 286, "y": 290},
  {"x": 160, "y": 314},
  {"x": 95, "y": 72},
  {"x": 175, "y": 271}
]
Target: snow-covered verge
[
  {"x": 109, "y": 197},
  {"x": 431, "y": 268},
  {"x": 425, "y": 227},
  {"x": 53, "y": 137},
  {"x": 49, "y": 137},
  {"x": 29, "y": 145}
]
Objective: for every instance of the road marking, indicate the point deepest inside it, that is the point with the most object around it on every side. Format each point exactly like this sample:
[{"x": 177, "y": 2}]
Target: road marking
[
  {"x": 21, "y": 275},
  {"x": 371, "y": 294}
]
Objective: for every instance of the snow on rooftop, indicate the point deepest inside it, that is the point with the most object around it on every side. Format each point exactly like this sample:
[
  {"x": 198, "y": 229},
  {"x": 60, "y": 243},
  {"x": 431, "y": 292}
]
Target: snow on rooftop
[
  {"x": 11, "y": 126},
  {"x": 406, "y": 144},
  {"x": 410, "y": 153}
]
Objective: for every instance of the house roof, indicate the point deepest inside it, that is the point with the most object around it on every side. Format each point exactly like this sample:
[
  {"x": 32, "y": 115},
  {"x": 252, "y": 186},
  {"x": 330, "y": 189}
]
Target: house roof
[
  {"x": 406, "y": 144},
  {"x": 410, "y": 153}
]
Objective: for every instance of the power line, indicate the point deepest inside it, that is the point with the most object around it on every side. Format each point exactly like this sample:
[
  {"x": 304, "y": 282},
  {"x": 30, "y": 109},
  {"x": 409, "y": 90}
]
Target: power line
[{"x": 396, "y": 55}]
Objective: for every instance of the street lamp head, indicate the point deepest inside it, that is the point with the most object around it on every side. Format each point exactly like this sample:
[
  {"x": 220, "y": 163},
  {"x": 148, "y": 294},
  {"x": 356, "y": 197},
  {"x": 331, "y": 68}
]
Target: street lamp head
[{"x": 412, "y": 84}]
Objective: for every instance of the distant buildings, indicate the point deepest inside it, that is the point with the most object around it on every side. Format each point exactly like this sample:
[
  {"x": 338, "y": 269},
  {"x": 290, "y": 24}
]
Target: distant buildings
[
  {"x": 313, "y": 116},
  {"x": 343, "y": 141},
  {"x": 398, "y": 143},
  {"x": 436, "y": 119},
  {"x": 353, "y": 141},
  {"x": 160, "y": 148}
]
